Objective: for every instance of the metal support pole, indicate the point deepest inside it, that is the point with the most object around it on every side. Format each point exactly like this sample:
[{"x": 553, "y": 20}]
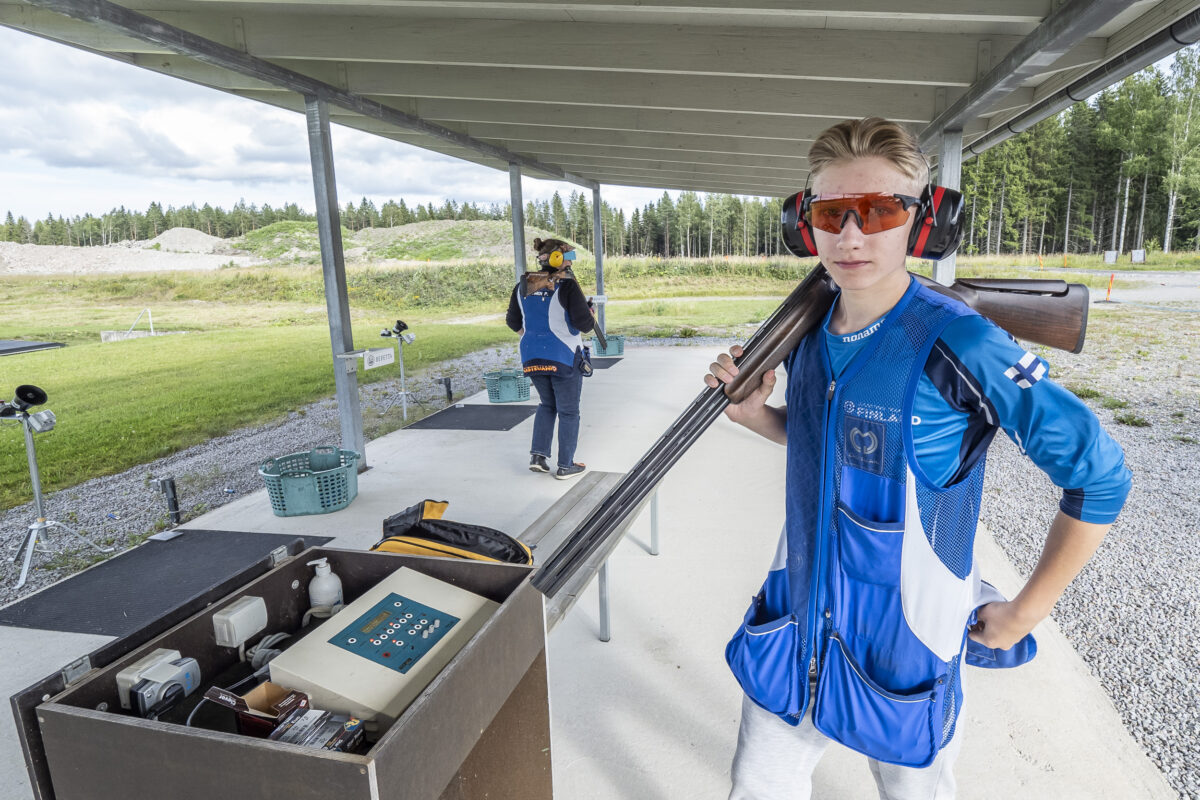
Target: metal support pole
[
  {"x": 167, "y": 486},
  {"x": 518, "y": 218},
  {"x": 605, "y": 627},
  {"x": 950, "y": 176},
  {"x": 403, "y": 386},
  {"x": 654, "y": 524},
  {"x": 598, "y": 249},
  {"x": 34, "y": 475},
  {"x": 333, "y": 267}
]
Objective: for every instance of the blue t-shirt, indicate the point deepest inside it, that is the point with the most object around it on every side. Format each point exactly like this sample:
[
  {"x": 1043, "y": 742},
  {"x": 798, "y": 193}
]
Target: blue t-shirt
[{"x": 978, "y": 380}]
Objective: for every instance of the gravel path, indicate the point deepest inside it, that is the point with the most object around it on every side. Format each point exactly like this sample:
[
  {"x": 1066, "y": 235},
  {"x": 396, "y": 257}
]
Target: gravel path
[{"x": 1131, "y": 614}]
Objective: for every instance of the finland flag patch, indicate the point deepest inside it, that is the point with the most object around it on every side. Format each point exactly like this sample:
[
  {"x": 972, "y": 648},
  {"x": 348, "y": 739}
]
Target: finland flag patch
[{"x": 1026, "y": 372}]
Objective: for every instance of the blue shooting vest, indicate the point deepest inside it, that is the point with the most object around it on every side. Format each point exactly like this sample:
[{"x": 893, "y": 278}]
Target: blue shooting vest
[
  {"x": 550, "y": 342},
  {"x": 873, "y": 584}
]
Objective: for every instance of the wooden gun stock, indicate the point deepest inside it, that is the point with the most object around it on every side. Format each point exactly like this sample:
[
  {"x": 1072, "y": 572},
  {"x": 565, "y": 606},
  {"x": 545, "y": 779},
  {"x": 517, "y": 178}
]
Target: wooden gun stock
[
  {"x": 1053, "y": 313},
  {"x": 1049, "y": 312}
]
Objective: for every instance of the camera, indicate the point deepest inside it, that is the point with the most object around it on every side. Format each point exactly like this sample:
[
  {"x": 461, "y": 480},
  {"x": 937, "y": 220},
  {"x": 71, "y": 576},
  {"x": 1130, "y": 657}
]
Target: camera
[{"x": 157, "y": 682}]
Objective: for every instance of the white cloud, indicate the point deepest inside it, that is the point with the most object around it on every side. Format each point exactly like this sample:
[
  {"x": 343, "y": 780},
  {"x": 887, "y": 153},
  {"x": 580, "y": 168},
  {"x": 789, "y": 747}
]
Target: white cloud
[{"x": 81, "y": 133}]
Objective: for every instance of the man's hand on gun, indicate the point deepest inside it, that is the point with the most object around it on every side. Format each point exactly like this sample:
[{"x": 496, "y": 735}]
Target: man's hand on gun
[{"x": 723, "y": 370}]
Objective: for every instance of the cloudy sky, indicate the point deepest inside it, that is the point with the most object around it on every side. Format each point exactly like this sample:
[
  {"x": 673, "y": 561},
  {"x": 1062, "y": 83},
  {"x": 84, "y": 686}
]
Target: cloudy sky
[{"x": 80, "y": 133}]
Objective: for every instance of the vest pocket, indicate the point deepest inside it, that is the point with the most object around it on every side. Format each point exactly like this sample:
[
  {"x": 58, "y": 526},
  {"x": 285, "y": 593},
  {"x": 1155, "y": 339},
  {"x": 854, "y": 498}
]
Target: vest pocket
[
  {"x": 870, "y": 551},
  {"x": 854, "y": 710},
  {"x": 763, "y": 658}
]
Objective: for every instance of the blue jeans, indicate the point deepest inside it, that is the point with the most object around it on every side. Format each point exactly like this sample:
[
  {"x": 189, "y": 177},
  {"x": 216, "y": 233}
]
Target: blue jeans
[{"x": 559, "y": 398}]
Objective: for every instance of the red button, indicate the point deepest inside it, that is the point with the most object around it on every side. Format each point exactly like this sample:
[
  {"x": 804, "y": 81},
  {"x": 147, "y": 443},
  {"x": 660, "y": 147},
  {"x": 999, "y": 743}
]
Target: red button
[{"x": 387, "y": 655}]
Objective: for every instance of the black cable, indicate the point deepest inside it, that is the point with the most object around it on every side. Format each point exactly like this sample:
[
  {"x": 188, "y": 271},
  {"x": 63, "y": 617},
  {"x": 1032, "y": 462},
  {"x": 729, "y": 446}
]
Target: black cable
[{"x": 204, "y": 700}]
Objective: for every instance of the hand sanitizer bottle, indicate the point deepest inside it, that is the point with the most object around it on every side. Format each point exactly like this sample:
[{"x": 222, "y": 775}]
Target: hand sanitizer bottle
[{"x": 324, "y": 590}]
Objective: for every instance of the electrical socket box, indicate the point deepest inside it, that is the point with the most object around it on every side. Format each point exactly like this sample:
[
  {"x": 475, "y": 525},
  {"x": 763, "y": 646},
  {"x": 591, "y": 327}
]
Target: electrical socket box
[
  {"x": 241, "y": 619},
  {"x": 377, "y": 654},
  {"x": 129, "y": 676}
]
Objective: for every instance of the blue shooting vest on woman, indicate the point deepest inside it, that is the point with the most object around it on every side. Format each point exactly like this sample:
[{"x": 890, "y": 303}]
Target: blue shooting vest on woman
[
  {"x": 873, "y": 584},
  {"x": 550, "y": 341}
]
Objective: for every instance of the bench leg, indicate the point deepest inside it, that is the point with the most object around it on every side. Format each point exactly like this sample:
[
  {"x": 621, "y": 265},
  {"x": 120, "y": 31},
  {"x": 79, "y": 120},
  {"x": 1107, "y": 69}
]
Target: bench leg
[
  {"x": 654, "y": 524},
  {"x": 605, "y": 633}
]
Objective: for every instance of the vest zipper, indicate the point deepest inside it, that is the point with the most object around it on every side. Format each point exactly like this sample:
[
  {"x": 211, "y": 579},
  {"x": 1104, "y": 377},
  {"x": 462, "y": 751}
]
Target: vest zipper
[{"x": 818, "y": 598}]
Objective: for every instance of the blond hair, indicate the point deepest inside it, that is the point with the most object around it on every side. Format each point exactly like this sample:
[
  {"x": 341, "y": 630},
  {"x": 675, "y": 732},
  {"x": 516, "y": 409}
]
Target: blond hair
[{"x": 863, "y": 138}]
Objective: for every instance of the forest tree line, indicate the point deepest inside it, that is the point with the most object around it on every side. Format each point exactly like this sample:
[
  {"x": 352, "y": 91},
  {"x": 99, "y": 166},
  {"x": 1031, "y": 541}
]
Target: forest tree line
[{"x": 1119, "y": 172}]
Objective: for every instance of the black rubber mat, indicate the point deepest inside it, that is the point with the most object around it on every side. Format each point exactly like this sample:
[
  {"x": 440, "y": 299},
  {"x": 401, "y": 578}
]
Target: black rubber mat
[
  {"x": 10, "y": 347},
  {"x": 604, "y": 363},
  {"x": 127, "y": 592},
  {"x": 497, "y": 417}
]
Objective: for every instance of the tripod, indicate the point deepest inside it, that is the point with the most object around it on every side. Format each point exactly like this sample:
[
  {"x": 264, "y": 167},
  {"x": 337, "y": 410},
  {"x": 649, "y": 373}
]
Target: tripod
[
  {"x": 41, "y": 524},
  {"x": 398, "y": 330}
]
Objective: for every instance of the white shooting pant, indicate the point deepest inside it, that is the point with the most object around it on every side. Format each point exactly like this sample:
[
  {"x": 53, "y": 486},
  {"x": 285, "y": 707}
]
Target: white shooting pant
[{"x": 775, "y": 761}]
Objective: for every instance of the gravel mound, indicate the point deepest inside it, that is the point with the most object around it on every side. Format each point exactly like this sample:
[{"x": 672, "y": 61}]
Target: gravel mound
[
  {"x": 186, "y": 240},
  {"x": 40, "y": 259}
]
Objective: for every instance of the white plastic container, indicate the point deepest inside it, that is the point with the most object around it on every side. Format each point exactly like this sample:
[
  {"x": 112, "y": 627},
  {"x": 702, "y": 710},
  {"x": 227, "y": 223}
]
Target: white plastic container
[{"x": 325, "y": 589}]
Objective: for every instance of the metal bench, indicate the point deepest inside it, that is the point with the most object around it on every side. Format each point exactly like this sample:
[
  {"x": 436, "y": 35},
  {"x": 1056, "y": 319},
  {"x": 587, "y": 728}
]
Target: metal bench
[{"x": 559, "y": 521}]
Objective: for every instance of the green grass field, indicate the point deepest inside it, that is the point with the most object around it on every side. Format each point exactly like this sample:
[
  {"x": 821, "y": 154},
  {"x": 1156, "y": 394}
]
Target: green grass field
[
  {"x": 258, "y": 341},
  {"x": 126, "y": 403}
]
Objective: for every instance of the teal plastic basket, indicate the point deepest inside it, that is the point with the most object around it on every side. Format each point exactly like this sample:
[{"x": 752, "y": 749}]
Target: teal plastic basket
[
  {"x": 318, "y": 481},
  {"x": 616, "y": 346},
  {"x": 507, "y": 386}
]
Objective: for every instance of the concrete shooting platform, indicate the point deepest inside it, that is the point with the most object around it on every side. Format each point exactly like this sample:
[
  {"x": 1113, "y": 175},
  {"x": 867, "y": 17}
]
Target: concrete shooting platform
[{"x": 653, "y": 714}]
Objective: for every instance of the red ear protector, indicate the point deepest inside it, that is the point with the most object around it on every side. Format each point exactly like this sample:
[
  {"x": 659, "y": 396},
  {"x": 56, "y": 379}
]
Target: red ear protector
[{"x": 935, "y": 234}]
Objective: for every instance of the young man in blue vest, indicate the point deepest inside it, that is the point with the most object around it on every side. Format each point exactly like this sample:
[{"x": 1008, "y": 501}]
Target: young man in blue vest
[
  {"x": 860, "y": 630},
  {"x": 549, "y": 310}
]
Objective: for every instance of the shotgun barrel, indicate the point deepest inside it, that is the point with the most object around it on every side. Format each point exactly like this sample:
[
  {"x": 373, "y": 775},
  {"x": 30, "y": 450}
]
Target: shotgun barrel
[
  {"x": 803, "y": 310},
  {"x": 1053, "y": 313},
  {"x": 601, "y": 340}
]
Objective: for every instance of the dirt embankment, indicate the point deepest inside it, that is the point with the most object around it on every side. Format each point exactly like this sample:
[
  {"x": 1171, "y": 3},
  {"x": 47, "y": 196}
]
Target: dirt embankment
[{"x": 175, "y": 249}]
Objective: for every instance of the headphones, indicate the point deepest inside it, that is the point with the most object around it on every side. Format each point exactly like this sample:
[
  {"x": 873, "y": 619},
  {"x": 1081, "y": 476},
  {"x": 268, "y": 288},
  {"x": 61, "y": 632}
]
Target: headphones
[{"x": 937, "y": 232}]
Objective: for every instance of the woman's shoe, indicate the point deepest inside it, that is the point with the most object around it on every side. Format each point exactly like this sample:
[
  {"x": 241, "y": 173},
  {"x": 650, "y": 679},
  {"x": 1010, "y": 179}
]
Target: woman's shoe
[{"x": 573, "y": 471}]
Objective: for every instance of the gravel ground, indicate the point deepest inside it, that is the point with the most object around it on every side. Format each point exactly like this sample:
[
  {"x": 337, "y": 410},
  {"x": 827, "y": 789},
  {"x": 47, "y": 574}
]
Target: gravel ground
[{"x": 1131, "y": 614}]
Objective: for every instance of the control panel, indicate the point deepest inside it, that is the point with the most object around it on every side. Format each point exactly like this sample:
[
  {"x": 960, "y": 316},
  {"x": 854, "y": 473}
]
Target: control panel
[
  {"x": 375, "y": 656},
  {"x": 396, "y": 632}
]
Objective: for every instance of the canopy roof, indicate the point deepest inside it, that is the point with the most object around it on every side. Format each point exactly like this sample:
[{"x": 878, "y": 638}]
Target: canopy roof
[{"x": 709, "y": 95}]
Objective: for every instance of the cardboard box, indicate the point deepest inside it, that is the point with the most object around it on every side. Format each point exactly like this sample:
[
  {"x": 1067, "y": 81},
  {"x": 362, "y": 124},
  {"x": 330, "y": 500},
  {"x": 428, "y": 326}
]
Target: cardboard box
[
  {"x": 325, "y": 730},
  {"x": 260, "y": 710}
]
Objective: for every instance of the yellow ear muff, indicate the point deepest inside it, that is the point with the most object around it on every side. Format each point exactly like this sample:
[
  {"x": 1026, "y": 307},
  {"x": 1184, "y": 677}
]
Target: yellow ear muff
[{"x": 556, "y": 259}]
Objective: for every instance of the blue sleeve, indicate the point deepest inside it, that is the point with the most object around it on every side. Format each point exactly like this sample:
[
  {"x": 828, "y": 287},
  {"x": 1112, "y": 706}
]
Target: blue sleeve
[{"x": 1049, "y": 424}]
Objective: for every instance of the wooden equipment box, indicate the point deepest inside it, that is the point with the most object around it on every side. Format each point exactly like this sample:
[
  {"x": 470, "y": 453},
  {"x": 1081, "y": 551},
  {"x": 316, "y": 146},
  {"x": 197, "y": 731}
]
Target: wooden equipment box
[{"x": 480, "y": 729}]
